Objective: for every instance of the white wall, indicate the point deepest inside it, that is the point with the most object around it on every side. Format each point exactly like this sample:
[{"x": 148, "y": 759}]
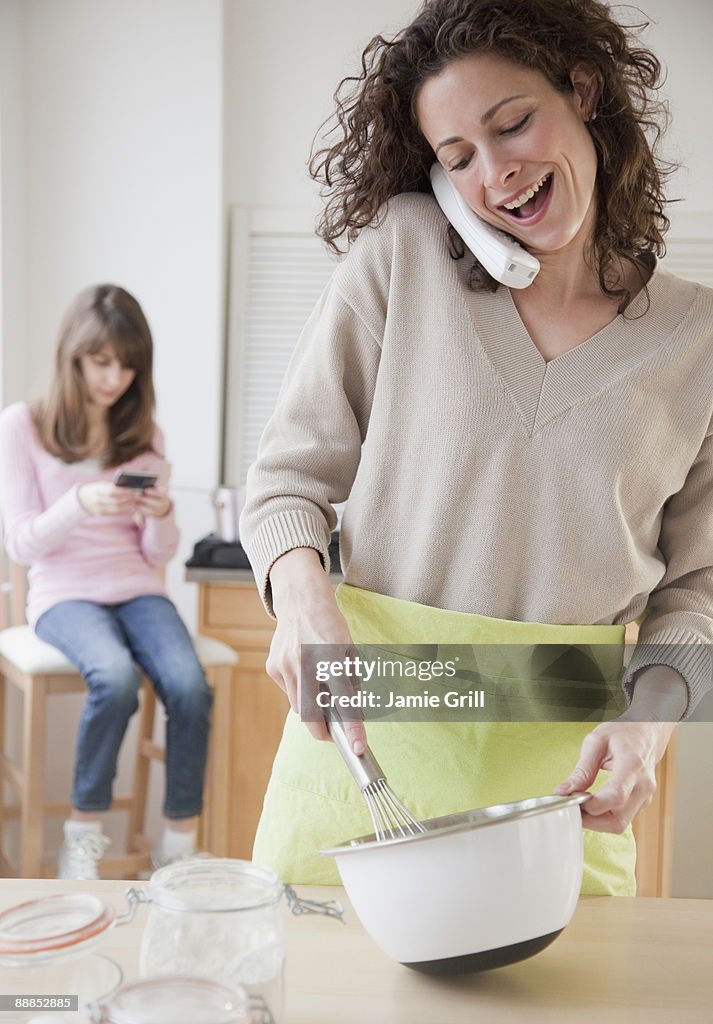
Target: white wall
[
  {"x": 124, "y": 173},
  {"x": 283, "y": 62},
  {"x": 680, "y": 34},
  {"x": 112, "y": 143},
  {"x": 12, "y": 202}
]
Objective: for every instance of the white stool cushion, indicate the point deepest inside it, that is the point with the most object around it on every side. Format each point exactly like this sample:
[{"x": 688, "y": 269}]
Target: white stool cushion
[
  {"x": 22, "y": 646},
  {"x": 213, "y": 652}
]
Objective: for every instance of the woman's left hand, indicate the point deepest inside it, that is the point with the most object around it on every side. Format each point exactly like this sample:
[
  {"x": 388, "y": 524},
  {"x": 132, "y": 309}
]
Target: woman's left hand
[
  {"x": 630, "y": 750},
  {"x": 154, "y": 501}
]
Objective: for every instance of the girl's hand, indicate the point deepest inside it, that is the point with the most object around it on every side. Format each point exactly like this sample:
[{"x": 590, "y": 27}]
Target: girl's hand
[
  {"x": 630, "y": 750},
  {"x": 307, "y": 613},
  {"x": 154, "y": 501},
  {"x": 103, "y": 498}
]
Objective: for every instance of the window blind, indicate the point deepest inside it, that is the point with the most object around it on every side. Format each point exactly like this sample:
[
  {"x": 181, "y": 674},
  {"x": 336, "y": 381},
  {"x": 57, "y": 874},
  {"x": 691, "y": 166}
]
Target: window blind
[{"x": 279, "y": 268}]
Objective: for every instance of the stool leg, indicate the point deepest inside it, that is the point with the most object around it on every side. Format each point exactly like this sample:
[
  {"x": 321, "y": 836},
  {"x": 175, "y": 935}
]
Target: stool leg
[
  {"x": 215, "y": 822},
  {"x": 137, "y": 812},
  {"x": 33, "y": 768}
]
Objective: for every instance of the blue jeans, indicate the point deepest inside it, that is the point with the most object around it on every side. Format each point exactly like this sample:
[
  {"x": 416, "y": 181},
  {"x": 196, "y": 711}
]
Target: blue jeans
[{"x": 107, "y": 643}]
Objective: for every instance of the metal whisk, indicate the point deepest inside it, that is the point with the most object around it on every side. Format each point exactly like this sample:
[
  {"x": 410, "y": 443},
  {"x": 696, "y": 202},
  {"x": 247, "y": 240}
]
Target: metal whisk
[{"x": 390, "y": 817}]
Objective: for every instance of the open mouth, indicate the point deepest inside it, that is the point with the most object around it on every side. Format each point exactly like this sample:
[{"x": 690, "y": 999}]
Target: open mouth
[{"x": 533, "y": 206}]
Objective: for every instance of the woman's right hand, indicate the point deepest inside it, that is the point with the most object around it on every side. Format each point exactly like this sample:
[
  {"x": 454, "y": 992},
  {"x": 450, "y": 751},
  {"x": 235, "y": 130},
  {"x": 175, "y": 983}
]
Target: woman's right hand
[
  {"x": 307, "y": 613},
  {"x": 103, "y": 498}
]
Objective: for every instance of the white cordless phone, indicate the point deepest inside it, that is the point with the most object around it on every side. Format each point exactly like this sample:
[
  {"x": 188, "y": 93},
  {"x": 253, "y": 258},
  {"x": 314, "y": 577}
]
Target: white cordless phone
[{"x": 501, "y": 256}]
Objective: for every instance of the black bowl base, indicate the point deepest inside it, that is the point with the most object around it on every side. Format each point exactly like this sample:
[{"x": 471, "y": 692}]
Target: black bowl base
[{"x": 469, "y": 963}]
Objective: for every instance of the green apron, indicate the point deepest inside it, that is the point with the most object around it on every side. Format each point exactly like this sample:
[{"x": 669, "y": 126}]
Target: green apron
[{"x": 436, "y": 767}]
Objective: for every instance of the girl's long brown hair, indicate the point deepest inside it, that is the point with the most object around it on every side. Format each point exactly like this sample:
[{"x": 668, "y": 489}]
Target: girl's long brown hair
[
  {"x": 380, "y": 150},
  {"x": 102, "y": 314}
]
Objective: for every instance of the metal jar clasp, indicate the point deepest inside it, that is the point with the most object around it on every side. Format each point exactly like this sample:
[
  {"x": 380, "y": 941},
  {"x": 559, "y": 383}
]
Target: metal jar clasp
[{"x": 328, "y": 908}]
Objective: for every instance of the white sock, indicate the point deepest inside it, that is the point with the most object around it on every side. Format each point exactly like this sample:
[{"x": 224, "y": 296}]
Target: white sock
[
  {"x": 78, "y": 828},
  {"x": 177, "y": 844}
]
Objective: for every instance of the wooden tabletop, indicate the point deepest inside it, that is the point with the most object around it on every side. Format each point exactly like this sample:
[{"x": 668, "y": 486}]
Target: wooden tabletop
[{"x": 620, "y": 961}]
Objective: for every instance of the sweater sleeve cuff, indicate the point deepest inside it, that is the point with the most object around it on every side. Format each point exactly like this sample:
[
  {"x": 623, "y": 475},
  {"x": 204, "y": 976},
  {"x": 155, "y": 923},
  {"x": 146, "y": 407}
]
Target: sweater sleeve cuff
[
  {"x": 681, "y": 650},
  {"x": 161, "y": 529},
  {"x": 282, "y": 533},
  {"x": 68, "y": 510}
]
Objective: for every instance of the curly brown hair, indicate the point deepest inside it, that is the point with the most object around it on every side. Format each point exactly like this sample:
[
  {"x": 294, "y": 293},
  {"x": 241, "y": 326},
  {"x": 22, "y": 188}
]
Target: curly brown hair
[{"x": 382, "y": 151}]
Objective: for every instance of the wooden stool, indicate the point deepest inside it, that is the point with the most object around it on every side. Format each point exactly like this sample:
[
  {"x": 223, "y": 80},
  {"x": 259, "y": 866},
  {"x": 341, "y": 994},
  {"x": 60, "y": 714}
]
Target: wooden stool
[{"x": 39, "y": 671}]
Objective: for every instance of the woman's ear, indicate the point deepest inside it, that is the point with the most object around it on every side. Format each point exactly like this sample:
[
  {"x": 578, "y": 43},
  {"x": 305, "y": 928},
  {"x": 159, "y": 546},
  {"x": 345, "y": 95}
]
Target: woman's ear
[{"x": 585, "y": 83}]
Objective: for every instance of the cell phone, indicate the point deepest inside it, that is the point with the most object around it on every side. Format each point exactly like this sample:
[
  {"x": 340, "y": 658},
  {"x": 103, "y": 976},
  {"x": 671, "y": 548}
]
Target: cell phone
[
  {"x": 501, "y": 255},
  {"x": 135, "y": 479}
]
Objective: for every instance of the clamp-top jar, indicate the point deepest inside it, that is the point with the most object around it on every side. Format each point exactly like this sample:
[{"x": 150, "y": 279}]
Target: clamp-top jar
[
  {"x": 48, "y": 950},
  {"x": 221, "y": 919},
  {"x": 180, "y": 1000}
]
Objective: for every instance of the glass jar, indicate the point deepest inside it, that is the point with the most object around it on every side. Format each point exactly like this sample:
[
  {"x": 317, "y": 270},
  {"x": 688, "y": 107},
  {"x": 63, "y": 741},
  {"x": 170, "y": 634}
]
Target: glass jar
[
  {"x": 178, "y": 999},
  {"x": 47, "y": 948},
  {"x": 222, "y": 919}
]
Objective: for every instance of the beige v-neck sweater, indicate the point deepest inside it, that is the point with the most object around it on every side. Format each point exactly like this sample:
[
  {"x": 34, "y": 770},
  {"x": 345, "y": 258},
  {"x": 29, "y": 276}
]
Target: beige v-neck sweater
[{"x": 480, "y": 478}]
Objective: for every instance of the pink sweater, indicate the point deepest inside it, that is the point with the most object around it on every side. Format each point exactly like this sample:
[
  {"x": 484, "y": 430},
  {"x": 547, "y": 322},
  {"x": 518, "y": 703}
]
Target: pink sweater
[{"x": 73, "y": 555}]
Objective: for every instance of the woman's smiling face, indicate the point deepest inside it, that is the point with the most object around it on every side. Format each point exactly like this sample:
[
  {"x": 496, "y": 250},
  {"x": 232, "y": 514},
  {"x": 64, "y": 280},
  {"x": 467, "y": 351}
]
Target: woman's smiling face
[{"x": 499, "y": 129}]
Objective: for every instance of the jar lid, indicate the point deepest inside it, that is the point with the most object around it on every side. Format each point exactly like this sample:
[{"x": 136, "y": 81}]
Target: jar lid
[
  {"x": 52, "y": 926},
  {"x": 175, "y": 998},
  {"x": 214, "y": 884}
]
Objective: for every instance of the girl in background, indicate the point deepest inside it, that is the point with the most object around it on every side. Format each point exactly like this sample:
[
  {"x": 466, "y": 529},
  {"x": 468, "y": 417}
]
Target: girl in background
[{"x": 96, "y": 552}]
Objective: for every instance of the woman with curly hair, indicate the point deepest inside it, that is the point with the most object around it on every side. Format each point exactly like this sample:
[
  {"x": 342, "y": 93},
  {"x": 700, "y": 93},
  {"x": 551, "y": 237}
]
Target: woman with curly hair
[{"x": 530, "y": 467}]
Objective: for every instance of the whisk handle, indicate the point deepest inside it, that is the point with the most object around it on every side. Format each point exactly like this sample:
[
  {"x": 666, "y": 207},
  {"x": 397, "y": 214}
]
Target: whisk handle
[{"x": 365, "y": 768}]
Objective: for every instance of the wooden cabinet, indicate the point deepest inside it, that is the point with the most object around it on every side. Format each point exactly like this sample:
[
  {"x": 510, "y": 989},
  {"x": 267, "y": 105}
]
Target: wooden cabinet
[
  {"x": 653, "y": 827},
  {"x": 231, "y": 610}
]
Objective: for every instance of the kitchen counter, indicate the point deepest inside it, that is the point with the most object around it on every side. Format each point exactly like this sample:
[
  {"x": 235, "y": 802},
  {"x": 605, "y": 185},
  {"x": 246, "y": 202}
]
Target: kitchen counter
[
  {"x": 620, "y": 961},
  {"x": 217, "y": 561},
  {"x": 200, "y": 574}
]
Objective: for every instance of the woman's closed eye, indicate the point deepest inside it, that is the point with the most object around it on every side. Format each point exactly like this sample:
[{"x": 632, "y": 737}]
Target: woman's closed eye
[
  {"x": 516, "y": 127},
  {"x": 462, "y": 164}
]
